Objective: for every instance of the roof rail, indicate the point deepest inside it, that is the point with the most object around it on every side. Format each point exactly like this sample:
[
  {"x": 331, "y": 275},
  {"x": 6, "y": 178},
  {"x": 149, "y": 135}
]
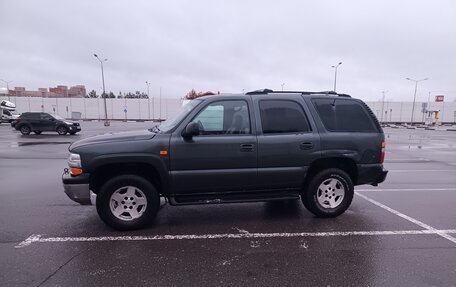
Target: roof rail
[
  {"x": 263, "y": 91},
  {"x": 269, "y": 91}
]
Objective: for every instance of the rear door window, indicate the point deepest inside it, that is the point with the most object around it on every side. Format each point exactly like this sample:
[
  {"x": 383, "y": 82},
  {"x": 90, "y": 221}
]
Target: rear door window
[
  {"x": 46, "y": 117},
  {"x": 344, "y": 115},
  {"x": 31, "y": 116},
  {"x": 282, "y": 116}
]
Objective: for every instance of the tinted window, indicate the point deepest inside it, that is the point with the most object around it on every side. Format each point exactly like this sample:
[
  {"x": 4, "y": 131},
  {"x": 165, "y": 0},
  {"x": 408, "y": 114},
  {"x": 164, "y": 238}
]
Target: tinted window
[
  {"x": 343, "y": 115},
  {"x": 45, "y": 116},
  {"x": 224, "y": 117},
  {"x": 278, "y": 116},
  {"x": 31, "y": 116}
]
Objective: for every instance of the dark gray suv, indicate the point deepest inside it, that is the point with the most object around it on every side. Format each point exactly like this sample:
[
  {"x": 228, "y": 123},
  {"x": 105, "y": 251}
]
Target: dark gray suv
[{"x": 258, "y": 146}]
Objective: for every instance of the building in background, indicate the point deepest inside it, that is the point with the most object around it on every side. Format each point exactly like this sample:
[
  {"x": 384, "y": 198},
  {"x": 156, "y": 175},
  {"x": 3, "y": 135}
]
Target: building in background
[{"x": 78, "y": 91}]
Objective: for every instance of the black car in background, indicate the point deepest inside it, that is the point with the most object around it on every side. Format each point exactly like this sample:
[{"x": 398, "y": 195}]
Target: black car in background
[{"x": 39, "y": 122}]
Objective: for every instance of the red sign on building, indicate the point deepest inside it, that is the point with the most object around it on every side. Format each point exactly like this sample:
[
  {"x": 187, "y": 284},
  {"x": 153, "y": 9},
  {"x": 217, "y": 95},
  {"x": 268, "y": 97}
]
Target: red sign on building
[{"x": 439, "y": 98}]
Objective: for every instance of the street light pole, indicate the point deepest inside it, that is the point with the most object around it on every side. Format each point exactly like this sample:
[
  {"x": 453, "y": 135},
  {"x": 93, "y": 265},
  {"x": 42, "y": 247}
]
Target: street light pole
[
  {"x": 7, "y": 87},
  {"x": 160, "y": 102},
  {"x": 148, "y": 98},
  {"x": 282, "y": 86},
  {"x": 383, "y": 105},
  {"x": 106, "y": 123},
  {"x": 335, "y": 74},
  {"x": 414, "y": 95}
]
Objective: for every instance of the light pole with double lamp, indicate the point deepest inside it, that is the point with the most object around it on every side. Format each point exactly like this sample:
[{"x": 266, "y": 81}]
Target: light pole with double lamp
[
  {"x": 414, "y": 95},
  {"x": 7, "y": 87},
  {"x": 106, "y": 123},
  {"x": 335, "y": 74}
]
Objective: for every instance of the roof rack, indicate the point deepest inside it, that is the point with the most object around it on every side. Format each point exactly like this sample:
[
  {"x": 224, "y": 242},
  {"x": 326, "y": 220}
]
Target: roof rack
[{"x": 269, "y": 91}]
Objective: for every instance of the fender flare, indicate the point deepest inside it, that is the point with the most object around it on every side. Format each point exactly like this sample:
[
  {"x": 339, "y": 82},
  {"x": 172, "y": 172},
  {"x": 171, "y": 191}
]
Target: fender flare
[{"x": 121, "y": 158}]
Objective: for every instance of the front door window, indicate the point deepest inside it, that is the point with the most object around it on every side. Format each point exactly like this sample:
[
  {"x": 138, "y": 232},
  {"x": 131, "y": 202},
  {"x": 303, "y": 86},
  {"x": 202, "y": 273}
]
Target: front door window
[{"x": 224, "y": 117}]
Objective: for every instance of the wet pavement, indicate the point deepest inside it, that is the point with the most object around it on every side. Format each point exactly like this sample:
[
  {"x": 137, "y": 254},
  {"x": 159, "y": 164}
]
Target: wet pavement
[{"x": 401, "y": 233}]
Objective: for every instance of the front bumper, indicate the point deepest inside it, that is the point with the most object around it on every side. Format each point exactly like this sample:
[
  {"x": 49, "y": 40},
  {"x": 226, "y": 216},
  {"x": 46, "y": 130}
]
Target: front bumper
[
  {"x": 77, "y": 188},
  {"x": 74, "y": 128}
]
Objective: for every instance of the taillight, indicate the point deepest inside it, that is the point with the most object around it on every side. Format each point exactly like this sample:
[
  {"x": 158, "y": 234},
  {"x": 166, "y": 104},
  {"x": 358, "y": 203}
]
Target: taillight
[{"x": 382, "y": 155}]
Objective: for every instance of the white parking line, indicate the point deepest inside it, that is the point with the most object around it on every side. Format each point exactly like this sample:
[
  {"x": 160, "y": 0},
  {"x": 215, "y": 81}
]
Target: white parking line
[
  {"x": 422, "y": 170},
  {"x": 406, "y": 217},
  {"x": 407, "y": 189},
  {"x": 36, "y": 238}
]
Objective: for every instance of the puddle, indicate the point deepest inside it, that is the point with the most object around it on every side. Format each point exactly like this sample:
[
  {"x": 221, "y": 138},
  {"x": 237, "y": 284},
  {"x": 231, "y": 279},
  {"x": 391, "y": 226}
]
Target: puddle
[{"x": 18, "y": 144}]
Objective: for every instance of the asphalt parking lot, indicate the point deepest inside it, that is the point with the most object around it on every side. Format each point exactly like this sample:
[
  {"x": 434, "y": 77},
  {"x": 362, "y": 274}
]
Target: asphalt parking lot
[{"x": 401, "y": 233}]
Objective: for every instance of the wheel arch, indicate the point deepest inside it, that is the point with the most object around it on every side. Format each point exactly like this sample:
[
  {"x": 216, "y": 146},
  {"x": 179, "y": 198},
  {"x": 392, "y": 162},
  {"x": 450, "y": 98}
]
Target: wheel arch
[
  {"x": 108, "y": 167},
  {"x": 24, "y": 124},
  {"x": 346, "y": 164},
  {"x": 61, "y": 125}
]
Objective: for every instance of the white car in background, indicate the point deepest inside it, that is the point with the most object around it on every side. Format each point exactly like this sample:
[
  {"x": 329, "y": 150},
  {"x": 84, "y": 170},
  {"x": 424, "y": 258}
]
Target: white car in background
[{"x": 8, "y": 112}]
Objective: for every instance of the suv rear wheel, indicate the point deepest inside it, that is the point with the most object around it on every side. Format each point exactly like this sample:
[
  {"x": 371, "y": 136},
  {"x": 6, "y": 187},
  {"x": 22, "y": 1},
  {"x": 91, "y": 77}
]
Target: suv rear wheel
[
  {"x": 25, "y": 130},
  {"x": 329, "y": 193},
  {"x": 127, "y": 202}
]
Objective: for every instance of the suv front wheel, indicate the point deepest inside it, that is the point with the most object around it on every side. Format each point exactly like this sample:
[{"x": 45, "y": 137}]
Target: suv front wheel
[
  {"x": 62, "y": 130},
  {"x": 127, "y": 202},
  {"x": 329, "y": 193}
]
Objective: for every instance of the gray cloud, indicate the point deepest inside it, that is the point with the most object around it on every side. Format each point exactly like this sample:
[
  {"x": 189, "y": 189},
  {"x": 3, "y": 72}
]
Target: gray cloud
[{"x": 232, "y": 45}]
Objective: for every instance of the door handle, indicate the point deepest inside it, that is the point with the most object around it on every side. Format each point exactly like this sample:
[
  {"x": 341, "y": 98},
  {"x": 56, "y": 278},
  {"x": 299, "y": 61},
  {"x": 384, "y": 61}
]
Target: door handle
[
  {"x": 247, "y": 147},
  {"x": 306, "y": 145}
]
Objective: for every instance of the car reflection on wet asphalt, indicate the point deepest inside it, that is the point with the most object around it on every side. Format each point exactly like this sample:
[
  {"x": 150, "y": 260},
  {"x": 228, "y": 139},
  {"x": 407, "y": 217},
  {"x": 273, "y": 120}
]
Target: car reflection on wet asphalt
[{"x": 401, "y": 233}]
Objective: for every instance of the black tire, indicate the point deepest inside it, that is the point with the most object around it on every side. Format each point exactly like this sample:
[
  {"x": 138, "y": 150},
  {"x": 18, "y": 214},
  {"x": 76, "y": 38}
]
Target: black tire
[
  {"x": 312, "y": 193},
  {"x": 25, "y": 130},
  {"x": 37, "y": 132},
  {"x": 104, "y": 202},
  {"x": 62, "y": 130}
]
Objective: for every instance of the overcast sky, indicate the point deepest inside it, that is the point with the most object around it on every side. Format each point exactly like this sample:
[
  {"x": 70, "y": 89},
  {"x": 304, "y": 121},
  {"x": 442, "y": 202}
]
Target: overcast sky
[{"x": 229, "y": 46}]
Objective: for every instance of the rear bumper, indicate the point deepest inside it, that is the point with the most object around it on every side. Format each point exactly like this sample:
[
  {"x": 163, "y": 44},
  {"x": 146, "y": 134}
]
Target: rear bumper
[
  {"x": 77, "y": 188},
  {"x": 371, "y": 174}
]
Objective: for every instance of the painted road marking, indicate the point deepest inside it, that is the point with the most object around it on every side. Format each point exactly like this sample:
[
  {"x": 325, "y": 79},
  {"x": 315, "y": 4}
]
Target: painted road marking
[
  {"x": 408, "y": 189},
  {"x": 422, "y": 170},
  {"x": 36, "y": 238},
  {"x": 406, "y": 217},
  {"x": 406, "y": 160}
]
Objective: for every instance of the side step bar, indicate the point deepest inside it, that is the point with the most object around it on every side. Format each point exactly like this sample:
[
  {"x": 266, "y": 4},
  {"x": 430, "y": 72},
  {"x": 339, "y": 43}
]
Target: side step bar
[{"x": 231, "y": 198}]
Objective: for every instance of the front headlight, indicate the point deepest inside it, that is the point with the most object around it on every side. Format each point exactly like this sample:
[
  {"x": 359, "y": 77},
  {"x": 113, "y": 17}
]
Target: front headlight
[{"x": 74, "y": 160}]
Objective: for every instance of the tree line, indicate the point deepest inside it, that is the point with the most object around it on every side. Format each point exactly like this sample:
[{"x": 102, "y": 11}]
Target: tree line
[{"x": 120, "y": 95}]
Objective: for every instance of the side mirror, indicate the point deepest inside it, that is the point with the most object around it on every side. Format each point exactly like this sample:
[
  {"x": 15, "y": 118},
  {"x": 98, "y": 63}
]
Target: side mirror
[{"x": 191, "y": 130}]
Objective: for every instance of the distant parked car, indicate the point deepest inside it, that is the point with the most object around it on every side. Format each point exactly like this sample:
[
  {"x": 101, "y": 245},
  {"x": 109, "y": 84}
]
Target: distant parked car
[
  {"x": 8, "y": 116},
  {"x": 8, "y": 112},
  {"x": 42, "y": 122}
]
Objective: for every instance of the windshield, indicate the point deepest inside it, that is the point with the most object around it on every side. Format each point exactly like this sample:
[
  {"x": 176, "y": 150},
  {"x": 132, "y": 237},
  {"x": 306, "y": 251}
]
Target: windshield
[
  {"x": 171, "y": 123},
  {"x": 57, "y": 117}
]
